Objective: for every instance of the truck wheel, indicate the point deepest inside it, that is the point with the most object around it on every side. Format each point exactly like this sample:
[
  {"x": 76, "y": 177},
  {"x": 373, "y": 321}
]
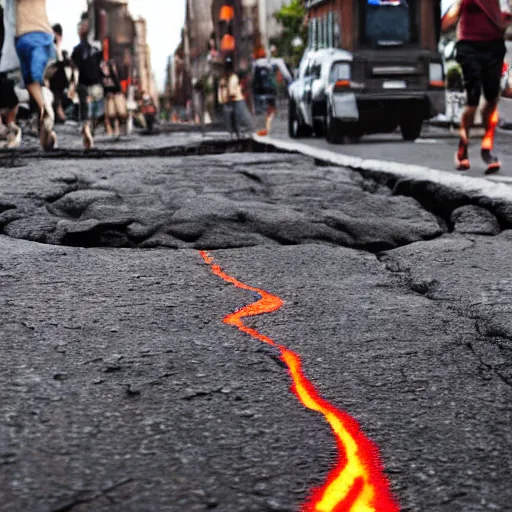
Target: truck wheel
[
  {"x": 333, "y": 130},
  {"x": 296, "y": 128},
  {"x": 411, "y": 129}
]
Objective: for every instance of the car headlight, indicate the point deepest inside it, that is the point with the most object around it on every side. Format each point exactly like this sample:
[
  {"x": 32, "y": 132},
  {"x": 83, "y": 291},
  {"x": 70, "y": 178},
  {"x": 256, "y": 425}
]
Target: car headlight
[{"x": 436, "y": 74}]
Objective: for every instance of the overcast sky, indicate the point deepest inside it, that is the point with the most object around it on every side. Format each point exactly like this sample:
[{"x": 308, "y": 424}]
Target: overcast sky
[{"x": 165, "y": 20}]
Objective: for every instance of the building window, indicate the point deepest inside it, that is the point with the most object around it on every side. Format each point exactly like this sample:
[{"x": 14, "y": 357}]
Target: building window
[{"x": 385, "y": 24}]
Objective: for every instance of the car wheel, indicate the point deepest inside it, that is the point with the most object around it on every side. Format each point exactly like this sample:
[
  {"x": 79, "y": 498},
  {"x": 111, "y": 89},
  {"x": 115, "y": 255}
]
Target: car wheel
[
  {"x": 293, "y": 121},
  {"x": 296, "y": 128},
  {"x": 333, "y": 130},
  {"x": 411, "y": 128}
]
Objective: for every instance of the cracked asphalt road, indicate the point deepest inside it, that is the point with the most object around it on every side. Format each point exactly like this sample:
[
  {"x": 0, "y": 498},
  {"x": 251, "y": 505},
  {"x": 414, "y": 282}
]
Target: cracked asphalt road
[{"x": 123, "y": 390}]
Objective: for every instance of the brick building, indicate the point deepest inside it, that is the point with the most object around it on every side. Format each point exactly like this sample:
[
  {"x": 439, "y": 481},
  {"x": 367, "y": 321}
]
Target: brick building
[{"x": 124, "y": 40}]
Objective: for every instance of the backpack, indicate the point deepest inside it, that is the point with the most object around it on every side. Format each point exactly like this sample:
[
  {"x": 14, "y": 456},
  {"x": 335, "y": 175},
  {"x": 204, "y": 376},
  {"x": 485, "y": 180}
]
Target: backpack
[{"x": 264, "y": 81}]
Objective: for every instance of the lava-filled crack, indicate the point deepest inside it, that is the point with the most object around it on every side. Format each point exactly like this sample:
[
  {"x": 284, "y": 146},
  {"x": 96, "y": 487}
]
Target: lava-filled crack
[{"x": 357, "y": 482}]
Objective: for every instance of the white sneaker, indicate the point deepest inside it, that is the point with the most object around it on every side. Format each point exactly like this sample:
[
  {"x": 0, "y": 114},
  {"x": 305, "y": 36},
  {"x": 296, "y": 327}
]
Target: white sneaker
[{"x": 14, "y": 136}]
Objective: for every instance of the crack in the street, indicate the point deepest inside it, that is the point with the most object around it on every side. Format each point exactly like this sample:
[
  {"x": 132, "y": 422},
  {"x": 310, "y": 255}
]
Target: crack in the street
[
  {"x": 357, "y": 480},
  {"x": 77, "y": 501}
]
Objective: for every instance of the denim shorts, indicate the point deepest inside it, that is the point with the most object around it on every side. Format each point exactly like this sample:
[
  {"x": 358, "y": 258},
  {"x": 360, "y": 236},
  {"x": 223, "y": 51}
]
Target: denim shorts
[{"x": 34, "y": 51}]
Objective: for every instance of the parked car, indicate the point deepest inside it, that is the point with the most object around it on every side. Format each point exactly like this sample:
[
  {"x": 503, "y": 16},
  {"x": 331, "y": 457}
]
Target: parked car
[
  {"x": 308, "y": 93},
  {"x": 346, "y": 95}
]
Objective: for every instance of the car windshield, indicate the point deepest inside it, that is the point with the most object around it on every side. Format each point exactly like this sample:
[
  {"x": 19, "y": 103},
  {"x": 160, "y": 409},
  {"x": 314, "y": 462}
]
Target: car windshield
[{"x": 388, "y": 22}]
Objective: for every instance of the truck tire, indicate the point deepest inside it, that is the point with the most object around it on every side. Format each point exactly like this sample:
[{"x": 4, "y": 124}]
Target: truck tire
[
  {"x": 296, "y": 128},
  {"x": 411, "y": 128}
]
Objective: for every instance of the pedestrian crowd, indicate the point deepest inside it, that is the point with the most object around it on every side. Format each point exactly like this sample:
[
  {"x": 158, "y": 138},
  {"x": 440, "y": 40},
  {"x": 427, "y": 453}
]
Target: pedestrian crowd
[{"x": 42, "y": 82}]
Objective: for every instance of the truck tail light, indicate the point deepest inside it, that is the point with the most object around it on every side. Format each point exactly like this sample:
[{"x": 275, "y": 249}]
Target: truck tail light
[
  {"x": 342, "y": 83},
  {"x": 436, "y": 75}
]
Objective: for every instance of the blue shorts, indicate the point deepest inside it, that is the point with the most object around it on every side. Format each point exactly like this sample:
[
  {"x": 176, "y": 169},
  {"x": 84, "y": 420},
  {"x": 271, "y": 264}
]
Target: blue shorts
[{"x": 34, "y": 51}]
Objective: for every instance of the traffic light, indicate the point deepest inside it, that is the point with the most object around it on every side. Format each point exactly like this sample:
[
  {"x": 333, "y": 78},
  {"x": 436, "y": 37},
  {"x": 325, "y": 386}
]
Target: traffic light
[{"x": 227, "y": 33}]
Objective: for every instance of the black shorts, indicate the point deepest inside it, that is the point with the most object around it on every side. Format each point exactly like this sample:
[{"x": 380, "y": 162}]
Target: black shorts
[
  {"x": 8, "y": 97},
  {"x": 482, "y": 67}
]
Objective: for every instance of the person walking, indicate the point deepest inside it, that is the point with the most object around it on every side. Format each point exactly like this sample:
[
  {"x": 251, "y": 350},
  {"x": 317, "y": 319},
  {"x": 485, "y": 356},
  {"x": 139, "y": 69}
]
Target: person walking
[
  {"x": 230, "y": 95},
  {"x": 86, "y": 59},
  {"x": 34, "y": 45},
  {"x": 9, "y": 67},
  {"x": 481, "y": 51},
  {"x": 59, "y": 81},
  {"x": 115, "y": 101}
]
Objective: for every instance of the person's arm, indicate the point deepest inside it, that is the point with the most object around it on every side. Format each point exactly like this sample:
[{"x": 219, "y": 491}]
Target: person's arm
[
  {"x": 233, "y": 86},
  {"x": 451, "y": 18},
  {"x": 506, "y": 19}
]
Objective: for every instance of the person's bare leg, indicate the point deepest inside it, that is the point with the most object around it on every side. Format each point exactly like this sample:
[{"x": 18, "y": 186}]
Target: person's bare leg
[
  {"x": 268, "y": 121},
  {"x": 10, "y": 117},
  {"x": 36, "y": 92},
  {"x": 490, "y": 118},
  {"x": 117, "y": 131},
  {"x": 87, "y": 135},
  {"x": 108, "y": 126},
  {"x": 14, "y": 136},
  {"x": 466, "y": 122},
  {"x": 46, "y": 135}
]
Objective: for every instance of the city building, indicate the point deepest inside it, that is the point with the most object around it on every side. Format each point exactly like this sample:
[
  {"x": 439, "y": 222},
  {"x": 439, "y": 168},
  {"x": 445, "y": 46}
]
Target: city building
[{"x": 124, "y": 40}]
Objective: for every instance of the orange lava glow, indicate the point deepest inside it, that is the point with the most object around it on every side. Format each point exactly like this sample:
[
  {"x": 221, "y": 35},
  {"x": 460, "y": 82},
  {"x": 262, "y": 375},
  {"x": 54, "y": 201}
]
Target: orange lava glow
[{"x": 357, "y": 482}]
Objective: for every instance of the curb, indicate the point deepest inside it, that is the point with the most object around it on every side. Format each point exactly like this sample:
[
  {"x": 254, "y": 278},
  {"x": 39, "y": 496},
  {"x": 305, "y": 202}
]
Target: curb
[{"x": 440, "y": 191}]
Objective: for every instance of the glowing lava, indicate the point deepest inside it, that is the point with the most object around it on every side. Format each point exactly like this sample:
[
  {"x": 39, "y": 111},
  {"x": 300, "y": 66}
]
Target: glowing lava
[{"x": 357, "y": 482}]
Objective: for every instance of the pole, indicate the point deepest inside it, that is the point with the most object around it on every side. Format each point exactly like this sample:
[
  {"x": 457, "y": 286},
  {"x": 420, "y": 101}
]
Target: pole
[
  {"x": 186, "y": 53},
  {"x": 263, "y": 22}
]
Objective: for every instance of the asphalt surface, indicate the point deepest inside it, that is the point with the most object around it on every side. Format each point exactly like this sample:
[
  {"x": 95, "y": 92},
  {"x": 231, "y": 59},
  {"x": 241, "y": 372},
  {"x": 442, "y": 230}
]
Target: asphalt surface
[
  {"x": 124, "y": 391},
  {"x": 436, "y": 147}
]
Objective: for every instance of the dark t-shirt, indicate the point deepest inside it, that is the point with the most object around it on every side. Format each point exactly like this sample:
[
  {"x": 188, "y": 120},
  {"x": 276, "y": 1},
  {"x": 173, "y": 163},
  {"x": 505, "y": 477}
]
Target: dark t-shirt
[
  {"x": 480, "y": 20},
  {"x": 111, "y": 84},
  {"x": 87, "y": 59}
]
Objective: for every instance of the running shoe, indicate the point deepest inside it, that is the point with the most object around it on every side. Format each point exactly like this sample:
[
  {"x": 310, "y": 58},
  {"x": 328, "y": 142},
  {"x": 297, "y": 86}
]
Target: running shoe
[
  {"x": 461, "y": 157},
  {"x": 491, "y": 160}
]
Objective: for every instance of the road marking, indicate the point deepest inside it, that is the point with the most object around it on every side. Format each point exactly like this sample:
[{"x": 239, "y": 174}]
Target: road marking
[
  {"x": 357, "y": 482},
  {"x": 426, "y": 141}
]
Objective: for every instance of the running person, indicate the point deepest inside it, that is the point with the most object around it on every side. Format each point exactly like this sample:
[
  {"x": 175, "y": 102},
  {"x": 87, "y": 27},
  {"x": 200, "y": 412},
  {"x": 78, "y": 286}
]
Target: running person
[
  {"x": 34, "y": 44},
  {"x": 9, "y": 66},
  {"x": 480, "y": 51}
]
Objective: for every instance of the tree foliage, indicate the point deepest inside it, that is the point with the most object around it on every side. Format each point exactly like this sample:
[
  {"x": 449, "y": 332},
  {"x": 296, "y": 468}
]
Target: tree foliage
[{"x": 291, "y": 17}]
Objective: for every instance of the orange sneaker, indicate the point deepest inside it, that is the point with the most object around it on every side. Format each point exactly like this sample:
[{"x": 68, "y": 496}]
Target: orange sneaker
[
  {"x": 461, "y": 157},
  {"x": 491, "y": 160}
]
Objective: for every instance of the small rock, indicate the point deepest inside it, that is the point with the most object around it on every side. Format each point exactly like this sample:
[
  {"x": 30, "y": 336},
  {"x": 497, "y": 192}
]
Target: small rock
[
  {"x": 475, "y": 220},
  {"x": 60, "y": 376},
  {"x": 112, "y": 367},
  {"x": 131, "y": 391}
]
